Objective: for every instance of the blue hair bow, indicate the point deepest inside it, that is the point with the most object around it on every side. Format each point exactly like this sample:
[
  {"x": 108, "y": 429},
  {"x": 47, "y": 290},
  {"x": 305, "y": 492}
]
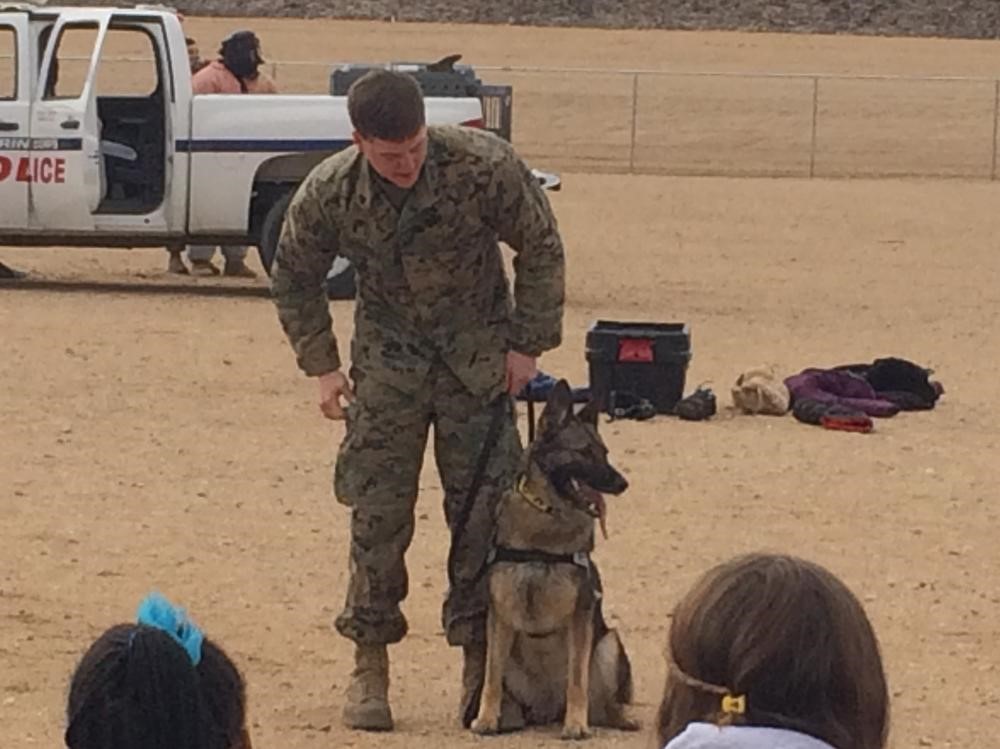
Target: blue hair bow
[{"x": 156, "y": 611}]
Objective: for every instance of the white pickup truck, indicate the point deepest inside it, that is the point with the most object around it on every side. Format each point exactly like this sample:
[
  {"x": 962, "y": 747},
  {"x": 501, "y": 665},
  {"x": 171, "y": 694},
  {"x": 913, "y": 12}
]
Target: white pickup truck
[{"x": 102, "y": 143}]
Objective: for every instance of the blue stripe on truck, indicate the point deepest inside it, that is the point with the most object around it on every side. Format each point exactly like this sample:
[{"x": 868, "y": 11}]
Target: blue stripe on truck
[
  {"x": 19, "y": 143},
  {"x": 261, "y": 145}
]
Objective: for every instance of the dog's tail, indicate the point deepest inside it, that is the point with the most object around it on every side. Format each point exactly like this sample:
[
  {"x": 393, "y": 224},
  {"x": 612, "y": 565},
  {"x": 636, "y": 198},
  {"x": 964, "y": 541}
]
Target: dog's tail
[{"x": 625, "y": 684}]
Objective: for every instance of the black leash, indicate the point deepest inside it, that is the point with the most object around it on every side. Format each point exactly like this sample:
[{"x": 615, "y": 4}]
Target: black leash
[{"x": 500, "y": 405}]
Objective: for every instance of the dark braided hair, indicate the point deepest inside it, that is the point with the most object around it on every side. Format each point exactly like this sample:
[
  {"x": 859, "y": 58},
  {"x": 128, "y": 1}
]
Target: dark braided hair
[
  {"x": 224, "y": 695},
  {"x": 136, "y": 688}
]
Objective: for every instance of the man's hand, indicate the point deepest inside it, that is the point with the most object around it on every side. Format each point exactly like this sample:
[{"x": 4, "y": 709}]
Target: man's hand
[
  {"x": 521, "y": 369},
  {"x": 332, "y": 387}
]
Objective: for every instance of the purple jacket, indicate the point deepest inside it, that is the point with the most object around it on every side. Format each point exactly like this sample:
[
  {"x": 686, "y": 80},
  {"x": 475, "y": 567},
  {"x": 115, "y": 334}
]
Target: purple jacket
[{"x": 840, "y": 387}]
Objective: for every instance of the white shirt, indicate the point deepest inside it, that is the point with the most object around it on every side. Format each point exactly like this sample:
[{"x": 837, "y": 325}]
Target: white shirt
[{"x": 708, "y": 736}]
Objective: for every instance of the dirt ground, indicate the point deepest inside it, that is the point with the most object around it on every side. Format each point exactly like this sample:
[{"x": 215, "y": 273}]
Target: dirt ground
[{"x": 166, "y": 440}]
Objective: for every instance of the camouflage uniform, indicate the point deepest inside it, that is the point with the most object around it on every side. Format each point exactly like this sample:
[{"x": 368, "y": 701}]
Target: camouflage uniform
[{"x": 434, "y": 319}]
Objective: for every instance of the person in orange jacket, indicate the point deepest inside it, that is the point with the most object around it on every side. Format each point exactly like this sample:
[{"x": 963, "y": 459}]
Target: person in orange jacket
[{"x": 235, "y": 71}]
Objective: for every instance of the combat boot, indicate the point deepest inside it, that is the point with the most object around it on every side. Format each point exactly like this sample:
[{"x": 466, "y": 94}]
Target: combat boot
[{"x": 367, "y": 706}]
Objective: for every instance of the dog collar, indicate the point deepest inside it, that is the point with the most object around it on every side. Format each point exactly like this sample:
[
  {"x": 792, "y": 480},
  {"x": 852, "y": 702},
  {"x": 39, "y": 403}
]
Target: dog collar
[{"x": 531, "y": 498}]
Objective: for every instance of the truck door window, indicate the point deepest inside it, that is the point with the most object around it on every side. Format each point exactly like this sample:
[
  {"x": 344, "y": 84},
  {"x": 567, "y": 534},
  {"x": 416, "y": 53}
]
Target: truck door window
[
  {"x": 8, "y": 64},
  {"x": 128, "y": 64},
  {"x": 131, "y": 108},
  {"x": 68, "y": 73}
]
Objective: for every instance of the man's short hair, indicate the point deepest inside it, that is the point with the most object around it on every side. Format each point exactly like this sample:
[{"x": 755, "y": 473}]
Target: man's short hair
[{"x": 386, "y": 104}]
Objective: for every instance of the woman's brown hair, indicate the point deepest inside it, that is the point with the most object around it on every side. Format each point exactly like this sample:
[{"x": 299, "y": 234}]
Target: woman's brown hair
[{"x": 790, "y": 639}]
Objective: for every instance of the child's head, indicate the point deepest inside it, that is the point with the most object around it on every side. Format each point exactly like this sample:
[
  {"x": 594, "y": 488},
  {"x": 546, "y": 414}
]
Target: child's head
[
  {"x": 158, "y": 684},
  {"x": 224, "y": 693},
  {"x": 769, "y": 640}
]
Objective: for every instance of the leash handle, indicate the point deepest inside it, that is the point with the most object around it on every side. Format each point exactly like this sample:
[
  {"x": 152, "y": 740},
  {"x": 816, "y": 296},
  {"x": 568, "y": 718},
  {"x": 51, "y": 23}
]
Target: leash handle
[{"x": 500, "y": 405}]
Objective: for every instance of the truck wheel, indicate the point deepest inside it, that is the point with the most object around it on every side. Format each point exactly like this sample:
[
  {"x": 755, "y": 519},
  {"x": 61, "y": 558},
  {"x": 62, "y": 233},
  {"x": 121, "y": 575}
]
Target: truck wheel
[
  {"x": 270, "y": 231},
  {"x": 340, "y": 282}
]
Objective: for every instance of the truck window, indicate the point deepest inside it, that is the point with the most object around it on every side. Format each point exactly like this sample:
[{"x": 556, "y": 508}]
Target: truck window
[
  {"x": 8, "y": 64},
  {"x": 68, "y": 74},
  {"x": 128, "y": 64}
]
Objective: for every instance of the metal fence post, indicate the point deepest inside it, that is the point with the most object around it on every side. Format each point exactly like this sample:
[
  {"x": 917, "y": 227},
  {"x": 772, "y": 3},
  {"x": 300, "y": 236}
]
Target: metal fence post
[
  {"x": 635, "y": 119},
  {"x": 996, "y": 114},
  {"x": 812, "y": 137}
]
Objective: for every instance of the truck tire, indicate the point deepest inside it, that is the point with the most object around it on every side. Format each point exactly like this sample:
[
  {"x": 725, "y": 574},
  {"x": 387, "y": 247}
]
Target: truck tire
[
  {"x": 340, "y": 283},
  {"x": 270, "y": 231}
]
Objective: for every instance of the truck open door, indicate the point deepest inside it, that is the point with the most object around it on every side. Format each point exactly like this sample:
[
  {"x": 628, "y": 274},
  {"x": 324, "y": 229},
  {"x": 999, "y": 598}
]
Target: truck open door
[
  {"x": 66, "y": 169},
  {"x": 107, "y": 107},
  {"x": 15, "y": 108}
]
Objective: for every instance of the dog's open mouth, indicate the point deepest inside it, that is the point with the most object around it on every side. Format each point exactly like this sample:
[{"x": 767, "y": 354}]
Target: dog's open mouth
[{"x": 593, "y": 502}]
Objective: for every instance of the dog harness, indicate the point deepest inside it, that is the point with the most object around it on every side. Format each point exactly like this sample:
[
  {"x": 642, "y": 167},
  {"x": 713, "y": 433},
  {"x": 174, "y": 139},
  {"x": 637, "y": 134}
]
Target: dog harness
[
  {"x": 527, "y": 556},
  {"x": 506, "y": 554}
]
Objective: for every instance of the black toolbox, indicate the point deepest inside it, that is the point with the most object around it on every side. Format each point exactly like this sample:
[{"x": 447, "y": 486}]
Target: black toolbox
[{"x": 644, "y": 359}]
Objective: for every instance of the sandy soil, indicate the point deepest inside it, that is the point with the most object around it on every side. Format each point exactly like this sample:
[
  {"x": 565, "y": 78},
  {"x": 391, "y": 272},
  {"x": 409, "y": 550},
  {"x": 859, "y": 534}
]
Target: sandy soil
[{"x": 167, "y": 441}]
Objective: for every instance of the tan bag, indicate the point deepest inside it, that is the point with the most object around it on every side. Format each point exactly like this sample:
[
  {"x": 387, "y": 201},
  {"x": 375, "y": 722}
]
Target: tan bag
[{"x": 759, "y": 391}]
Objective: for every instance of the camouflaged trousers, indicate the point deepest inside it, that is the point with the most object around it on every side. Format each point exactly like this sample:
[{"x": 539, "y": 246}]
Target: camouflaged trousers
[{"x": 377, "y": 474}]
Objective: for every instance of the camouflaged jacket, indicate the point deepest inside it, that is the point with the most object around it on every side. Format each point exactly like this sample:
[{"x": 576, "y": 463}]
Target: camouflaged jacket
[{"x": 431, "y": 280}]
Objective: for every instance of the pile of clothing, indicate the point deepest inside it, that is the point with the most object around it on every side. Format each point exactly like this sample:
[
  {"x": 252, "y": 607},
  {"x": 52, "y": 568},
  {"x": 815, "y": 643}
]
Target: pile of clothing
[{"x": 845, "y": 397}]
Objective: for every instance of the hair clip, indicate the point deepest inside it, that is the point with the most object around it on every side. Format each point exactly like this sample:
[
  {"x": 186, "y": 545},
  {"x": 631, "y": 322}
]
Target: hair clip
[
  {"x": 734, "y": 704},
  {"x": 156, "y": 611}
]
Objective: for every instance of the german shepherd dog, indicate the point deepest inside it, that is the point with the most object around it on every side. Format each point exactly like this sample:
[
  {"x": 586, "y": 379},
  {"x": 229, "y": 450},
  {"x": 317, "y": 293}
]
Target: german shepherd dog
[{"x": 550, "y": 655}]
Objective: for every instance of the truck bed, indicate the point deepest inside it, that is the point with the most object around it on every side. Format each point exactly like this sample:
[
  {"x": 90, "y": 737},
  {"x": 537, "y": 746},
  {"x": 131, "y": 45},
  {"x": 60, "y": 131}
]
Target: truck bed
[{"x": 236, "y": 142}]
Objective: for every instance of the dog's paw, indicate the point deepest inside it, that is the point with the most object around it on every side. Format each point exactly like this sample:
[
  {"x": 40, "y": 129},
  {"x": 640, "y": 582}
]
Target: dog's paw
[
  {"x": 571, "y": 732},
  {"x": 485, "y": 726}
]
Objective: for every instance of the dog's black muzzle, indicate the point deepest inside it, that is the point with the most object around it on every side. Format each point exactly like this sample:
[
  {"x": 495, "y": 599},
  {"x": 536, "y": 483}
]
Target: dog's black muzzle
[{"x": 606, "y": 480}]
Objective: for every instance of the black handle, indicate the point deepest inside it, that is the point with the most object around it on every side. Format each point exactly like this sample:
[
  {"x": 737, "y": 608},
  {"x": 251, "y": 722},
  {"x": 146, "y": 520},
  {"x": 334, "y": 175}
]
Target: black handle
[
  {"x": 70, "y": 124},
  {"x": 9, "y": 125}
]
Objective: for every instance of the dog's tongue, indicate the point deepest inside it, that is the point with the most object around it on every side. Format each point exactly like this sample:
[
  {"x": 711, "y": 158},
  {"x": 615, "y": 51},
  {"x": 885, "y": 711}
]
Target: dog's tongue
[{"x": 597, "y": 500}]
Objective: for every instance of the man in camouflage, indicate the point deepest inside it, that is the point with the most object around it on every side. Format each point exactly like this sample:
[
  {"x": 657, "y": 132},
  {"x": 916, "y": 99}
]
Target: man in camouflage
[{"x": 437, "y": 340}]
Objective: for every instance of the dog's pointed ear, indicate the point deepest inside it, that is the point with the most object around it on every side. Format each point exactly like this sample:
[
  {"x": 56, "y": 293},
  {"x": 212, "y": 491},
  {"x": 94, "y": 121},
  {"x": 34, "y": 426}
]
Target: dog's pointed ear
[
  {"x": 558, "y": 407},
  {"x": 588, "y": 414}
]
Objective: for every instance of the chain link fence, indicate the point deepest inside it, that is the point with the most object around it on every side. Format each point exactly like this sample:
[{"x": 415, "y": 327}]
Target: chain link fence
[
  {"x": 739, "y": 124},
  {"x": 734, "y": 123}
]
